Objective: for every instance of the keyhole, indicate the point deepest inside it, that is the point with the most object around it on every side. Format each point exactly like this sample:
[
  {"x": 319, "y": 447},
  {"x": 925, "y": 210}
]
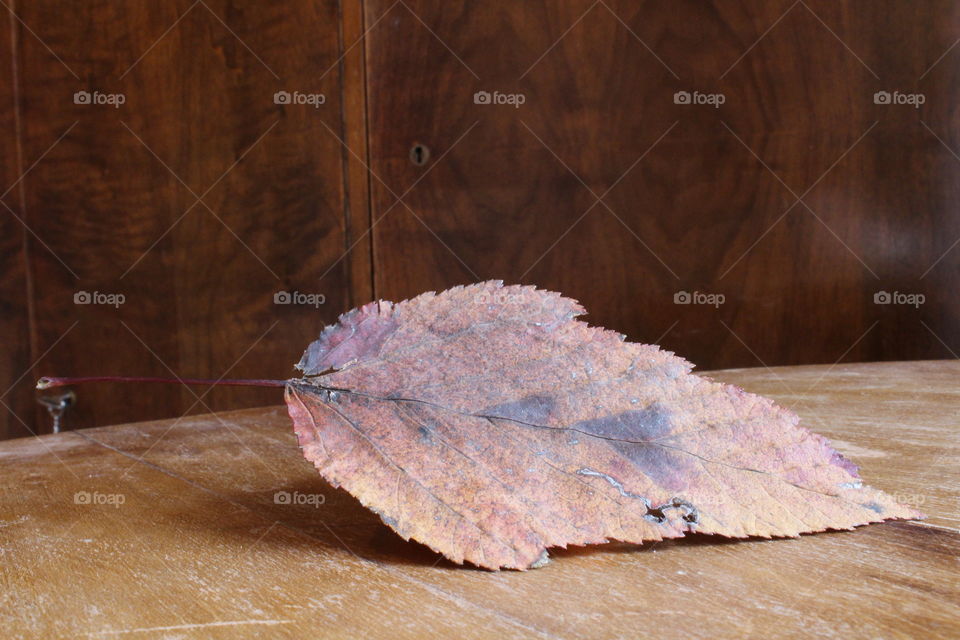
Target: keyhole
[{"x": 419, "y": 154}]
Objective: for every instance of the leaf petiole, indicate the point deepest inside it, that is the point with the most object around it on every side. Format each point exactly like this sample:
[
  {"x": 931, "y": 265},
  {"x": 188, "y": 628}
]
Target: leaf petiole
[{"x": 51, "y": 382}]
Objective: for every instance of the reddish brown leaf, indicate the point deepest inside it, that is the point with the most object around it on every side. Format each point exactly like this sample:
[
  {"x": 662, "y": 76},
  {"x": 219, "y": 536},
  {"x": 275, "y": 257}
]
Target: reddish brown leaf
[{"x": 489, "y": 424}]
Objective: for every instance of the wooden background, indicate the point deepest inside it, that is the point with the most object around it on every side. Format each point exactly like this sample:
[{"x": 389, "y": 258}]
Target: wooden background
[{"x": 798, "y": 199}]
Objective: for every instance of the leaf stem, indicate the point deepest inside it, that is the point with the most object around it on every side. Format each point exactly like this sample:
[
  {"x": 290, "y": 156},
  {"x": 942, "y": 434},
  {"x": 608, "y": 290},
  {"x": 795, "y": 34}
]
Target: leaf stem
[{"x": 49, "y": 383}]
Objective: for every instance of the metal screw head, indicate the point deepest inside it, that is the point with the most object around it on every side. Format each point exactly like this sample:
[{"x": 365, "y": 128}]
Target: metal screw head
[{"x": 57, "y": 404}]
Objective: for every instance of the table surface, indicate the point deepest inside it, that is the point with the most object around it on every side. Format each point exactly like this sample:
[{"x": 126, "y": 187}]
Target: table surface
[{"x": 172, "y": 529}]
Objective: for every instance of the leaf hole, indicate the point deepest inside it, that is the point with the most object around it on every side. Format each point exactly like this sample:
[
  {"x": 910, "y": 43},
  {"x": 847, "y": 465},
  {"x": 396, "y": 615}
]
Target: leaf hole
[{"x": 658, "y": 514}]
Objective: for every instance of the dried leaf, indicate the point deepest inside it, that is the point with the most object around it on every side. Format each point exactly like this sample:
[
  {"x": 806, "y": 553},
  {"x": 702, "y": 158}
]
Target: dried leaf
[{"x": 490, "y": 424}]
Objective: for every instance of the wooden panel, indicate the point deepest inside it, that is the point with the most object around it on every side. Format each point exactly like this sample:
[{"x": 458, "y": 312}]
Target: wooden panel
[
  {"x": 16, "y": 378},
  {"x": 116, "y": 199},
  {"x": 693, "y": 198},
  {"x": 200, "y": 522}
]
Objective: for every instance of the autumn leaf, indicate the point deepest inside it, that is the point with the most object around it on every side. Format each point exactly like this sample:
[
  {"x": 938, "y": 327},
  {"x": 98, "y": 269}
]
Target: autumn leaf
[{"x": 490, "y": 424}]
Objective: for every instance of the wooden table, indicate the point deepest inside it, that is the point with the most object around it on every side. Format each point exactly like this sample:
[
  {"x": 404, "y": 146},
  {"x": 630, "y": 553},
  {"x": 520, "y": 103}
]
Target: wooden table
[{"x": 174, "y": 529}]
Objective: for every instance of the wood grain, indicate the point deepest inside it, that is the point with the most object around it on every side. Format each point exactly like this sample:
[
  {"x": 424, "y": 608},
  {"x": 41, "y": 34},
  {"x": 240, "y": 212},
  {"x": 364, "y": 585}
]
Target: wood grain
[
  {"x": 709, "y": 208},
  {"x": 201, "y": 536},
  {"x": 116, "y": 198},
  {"x": 16, "y": 377}
]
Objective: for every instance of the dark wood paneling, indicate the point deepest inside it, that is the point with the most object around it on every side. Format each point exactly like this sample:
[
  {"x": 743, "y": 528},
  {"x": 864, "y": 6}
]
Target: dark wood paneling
[
  {"x": 16, "y": 380},
  {"x": 599, "y": 185},
  {"x": 115, "y": 198},
  {"x": 703, "y": 207}
]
